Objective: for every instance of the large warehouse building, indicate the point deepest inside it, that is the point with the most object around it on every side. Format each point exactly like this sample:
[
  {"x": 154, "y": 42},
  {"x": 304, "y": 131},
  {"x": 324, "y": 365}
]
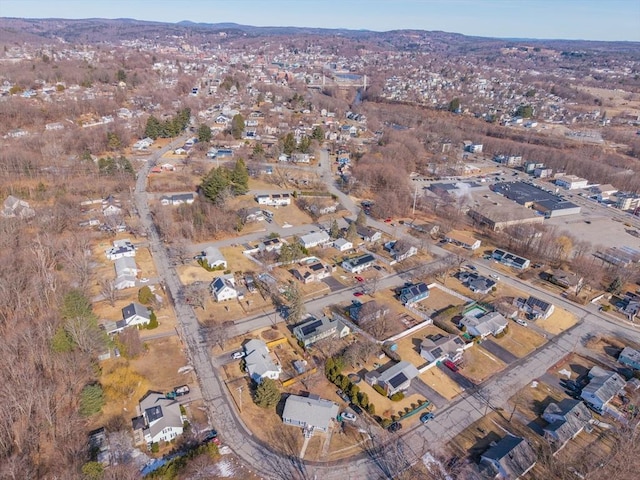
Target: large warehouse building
[{"x": 496, "y": 213}]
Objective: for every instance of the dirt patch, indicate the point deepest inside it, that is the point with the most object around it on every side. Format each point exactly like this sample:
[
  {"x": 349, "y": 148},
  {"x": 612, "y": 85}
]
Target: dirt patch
[
  {"x": 480, "y": 365},
  {"x": 531, "y": 401},
  {"x": 559, "y": 321}
]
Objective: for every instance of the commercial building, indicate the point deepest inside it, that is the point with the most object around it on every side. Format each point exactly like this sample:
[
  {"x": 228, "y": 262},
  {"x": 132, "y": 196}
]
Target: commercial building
[{"x": 494, "y": 212}]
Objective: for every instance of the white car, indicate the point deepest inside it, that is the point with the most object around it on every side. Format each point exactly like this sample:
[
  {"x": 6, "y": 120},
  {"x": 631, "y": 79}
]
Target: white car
[
  {"x": 237, "y": 355},
  {"x": 144, "y": 280},
  {"x": 348, "y": 416},
  {"x": 521, "y": 322},
  {"x": 493, "y": 275}
]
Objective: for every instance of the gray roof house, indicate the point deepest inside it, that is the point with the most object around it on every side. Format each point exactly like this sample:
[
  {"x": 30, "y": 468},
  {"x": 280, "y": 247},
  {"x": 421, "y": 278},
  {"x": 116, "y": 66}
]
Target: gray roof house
[
  {"x": 224, "y": 288},
  {"x": 259, "y": 363},
  {"x": 566, "y": 420},
  {"x": 314, "y": 329},
  {"x": 491, "y": 323},
  {"x": 315, "y": 239},
  {"x": 603, "y": 386},
  {"x": 510, "y": 458},
  {"x": 310, "y": 413},
  {"x": 368, "y": 234},
  {"x": 136, "y": 314},
  {"x": 538, "y": 309},
  {"x": 437, "y": 348},
  {"x": 359, "y": 264},
  {"x": 630, "y": 357},
  {"x": 414, "y": 293},
  {"x": 160, "y": 419},
  {"x": 214, "y": 258},
  {"x": 394, "y": 379}
]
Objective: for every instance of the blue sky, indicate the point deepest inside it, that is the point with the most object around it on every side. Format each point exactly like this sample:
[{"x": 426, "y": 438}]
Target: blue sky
[{"x": 570, "y": 19}]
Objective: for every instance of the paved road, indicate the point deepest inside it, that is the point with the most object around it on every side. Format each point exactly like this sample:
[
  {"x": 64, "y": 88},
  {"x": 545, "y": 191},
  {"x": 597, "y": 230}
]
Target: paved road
[{"x": 450, "y": 420}]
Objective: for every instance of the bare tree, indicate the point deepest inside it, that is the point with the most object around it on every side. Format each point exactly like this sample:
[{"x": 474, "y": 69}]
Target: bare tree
[
  {"x": 196, "y": 294},
  {"x": 109, "y": 291}
]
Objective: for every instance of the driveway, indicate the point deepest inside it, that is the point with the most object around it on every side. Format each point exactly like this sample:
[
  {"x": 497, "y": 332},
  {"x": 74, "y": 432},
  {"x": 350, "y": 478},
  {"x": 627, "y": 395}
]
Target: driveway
[
  {"x": 333, "y": 284},
  {"x": 457, "y": 377},
  {"x": 421, "y": 388},
  {"x": 502, "y": 353}
]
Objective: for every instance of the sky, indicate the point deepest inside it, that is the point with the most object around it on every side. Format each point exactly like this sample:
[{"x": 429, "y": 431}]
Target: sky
[{"x": 558, "y": 19}]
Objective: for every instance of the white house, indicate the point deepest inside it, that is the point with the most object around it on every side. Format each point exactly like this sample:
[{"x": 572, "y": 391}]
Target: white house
[
  {"x": 160, "y": 419},
  {"x": 214, "y": 258},
  {"x": 342, "y": 245},
  {"x": 259, "y": 363},
  {"x": 135, "y": 314},
  {"x": 274, "y": 200},
  {"x": 492, "y": 323},
  {"x": 603, "y": 386},
  {"x": 310, "y": 413},
  {"x": 121, "y": 249},
  {"x": 223, "y": 288},
  {"x": 463, "y": 239},
  {"x": 178, "y": 199},
  {"x": 315, "y": 239},
  {"x": 359, "y": 264},
  {"x": 394, "y": 379}
]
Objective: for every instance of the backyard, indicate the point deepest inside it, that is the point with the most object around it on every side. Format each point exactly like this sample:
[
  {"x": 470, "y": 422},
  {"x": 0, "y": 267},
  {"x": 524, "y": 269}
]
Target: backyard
[
  {"x": 479, "y": 364},
  {"x": 559, "y": 321}
]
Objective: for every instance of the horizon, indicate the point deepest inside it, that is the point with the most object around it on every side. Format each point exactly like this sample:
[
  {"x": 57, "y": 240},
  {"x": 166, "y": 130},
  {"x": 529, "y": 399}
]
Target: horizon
[{"x": 587, "y": 20}]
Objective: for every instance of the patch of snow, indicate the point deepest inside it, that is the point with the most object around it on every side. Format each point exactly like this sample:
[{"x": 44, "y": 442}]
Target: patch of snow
[
  {"x": 534, "y": 384},
  {"x": 565, "y": 372},
  {"x": 225, "y": 468}
]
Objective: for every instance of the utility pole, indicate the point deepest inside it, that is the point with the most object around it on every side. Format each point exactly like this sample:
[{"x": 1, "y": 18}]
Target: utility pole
[
  {"x": 240, "y": 402},
  {"x": 415, "y": 198}
]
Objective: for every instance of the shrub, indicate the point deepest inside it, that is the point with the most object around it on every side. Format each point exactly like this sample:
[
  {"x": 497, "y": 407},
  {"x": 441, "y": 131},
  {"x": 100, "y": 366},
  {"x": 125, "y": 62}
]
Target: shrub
[
  {"x": 267, "y": 393},
  {"x": 380, "y": 390},
  {"x": 396, "y": 397},
  {"x": 93, "y": 471},
  {"x": 153, "y": 321},
  {"x": 145, "y": 295},
  {"x": 386, "y": 422},
  {"x": 371, "y": 408},
  {"x": 155, "y": 447},
  {"x": 91, "y": 400}
]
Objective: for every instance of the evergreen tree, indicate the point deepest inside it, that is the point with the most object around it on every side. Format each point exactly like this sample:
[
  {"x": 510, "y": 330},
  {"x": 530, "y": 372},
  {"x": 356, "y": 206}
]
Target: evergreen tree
[
  {"x": 237, "y": 126},
  {"x": 214, "y": 184},
  {"x": 454, "y": 105},
  {"x": 153, "y": 128},
  {"x": 318, "y": 133},
  {"x": 334, "y": 230},
  {"x": 296, "y": 304},
  {"x": 361, "y": 219},
  {"x": 121, "y": 75},
  {"x": 240, "y": 178},
  {"x": 352, "y": 232},
  {"x": 91, "y": 400},
  {"x": 267, "y": 394},
  {"x": 145, "y": 295},
  {"x": 204, "y": 134},
  {"x": 288, "y": 143},
  {"x": 305, "y": 144}
]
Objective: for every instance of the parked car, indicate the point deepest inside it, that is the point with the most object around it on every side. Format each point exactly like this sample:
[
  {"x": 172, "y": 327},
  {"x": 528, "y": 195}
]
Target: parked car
[
  {"x": 359, "y": 278},
  {"x": 358, "y": 294},
  {"x": 348, "y": 416},
  {"x": 425, "y": 417},
  {"x": 519, "y": 321},
  {"x": 387, "y": 220},
  {"x": 144, "y": 280},
  {"x": 471, "y": 267},
  {"x": 343, "y": 395},
  {"x": 493, "y": 275},
  {"x": 394, "y": 427},
  {"x": 237, "y": 355},
  {"x": 355, "y": 408},
  {"x": 450, "y": 365},
  {"x": 211, "y": 436}
]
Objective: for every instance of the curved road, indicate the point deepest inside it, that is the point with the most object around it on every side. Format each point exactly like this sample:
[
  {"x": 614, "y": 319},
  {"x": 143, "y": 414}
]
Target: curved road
[{"x": 449, "y": 421}]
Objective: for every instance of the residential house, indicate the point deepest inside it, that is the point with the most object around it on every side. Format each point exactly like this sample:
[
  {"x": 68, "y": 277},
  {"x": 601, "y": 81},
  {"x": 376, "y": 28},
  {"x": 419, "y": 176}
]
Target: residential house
[
  {"x": 314, "y": 329},
  {"x": 99, "y": 446},
  {"x": 538, "y": 309},
  {"x": 135, "y": 314},
  {"x": 462, "y": 239},
  {"x": 428, "y": 228},
  {"x": 214, "y": 258},
  {"x": 254, "y": 214},
  {"x": 476, "y": 283},
  {"x": 160, "y": 419},
  {"x": 491, "y": 323},
  {"x": 368, "y": 234},
  {"x": 224, "y": 288},
  {"x": 309, "y": 413},
  {"x": 13, "y": 207},
  {"x": 312, "y": 272},
  {"x": 510, "y": 259},
  {"x": 178, "y": 199},
  {"x": 126, "y": 273},
  {"x": 569, "y": 280},
  {"x": 121, "y": 249},
  {"x": 323, "y": 208},
  {"x": 394, "y": 379},
  {"x": 274, "y": 200},
  {"x": 271, "y": 245},
  {"x": 301, "y": 158},
  {"x": 566, "y": 420},
  {"x": 259, "y": 362},
  {"x": 359, "y": 264},
  {"x": 315, "y": 239},
  {"x": 111, "y": 206},
  {"x": 630, "y": 357},
  {"x": 367, "y": 312},
  {"x": 510, "y": 458},
  {"x": 414, "y": 293},
  {"x": 603, "y": 386},
  {"x": 438, "y": 348},
  {"x": 342, "y": 245},
  {"x": 400, "y": 250},
  {"x": 629, "y": 305}
]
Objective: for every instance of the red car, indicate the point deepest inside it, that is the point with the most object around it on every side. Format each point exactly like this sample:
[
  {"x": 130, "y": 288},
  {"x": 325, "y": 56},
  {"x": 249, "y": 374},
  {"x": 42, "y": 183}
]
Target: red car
[
  {"x": 358, "y": 294},
  {"x": 360, "y": 279},
  {"x": 450, "y": 365},
  {"x": 387, "y": 220}
]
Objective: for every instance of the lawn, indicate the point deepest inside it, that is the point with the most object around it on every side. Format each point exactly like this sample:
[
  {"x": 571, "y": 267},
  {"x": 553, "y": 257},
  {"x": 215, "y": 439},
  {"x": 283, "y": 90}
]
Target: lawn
[
  {"x": 439, "y": 300},
  {"x": 409, "y": 346},
  {"x": 440, "y": 382},
  {"x": 480, "y": 365},
  {"x": 290, "y": 215},
  {"x": 192, "y": 273},
  {"x": 384, "y": 406},
  {"x": 238, "y": 261},
  {"x": 531, "y": 401},
  {"x": 520, "y": 340},
  {"x": 559, "y": 321}
]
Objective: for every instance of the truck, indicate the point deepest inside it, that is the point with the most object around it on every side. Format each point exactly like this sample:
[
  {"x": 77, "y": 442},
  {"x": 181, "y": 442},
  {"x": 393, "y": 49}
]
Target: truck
[{"x": 181, "y": 390}]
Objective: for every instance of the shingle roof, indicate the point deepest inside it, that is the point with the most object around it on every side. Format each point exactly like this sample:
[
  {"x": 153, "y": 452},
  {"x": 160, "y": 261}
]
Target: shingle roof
[
  {"x": 310, "y": 411},
  {"x": 514, "y": 455}
]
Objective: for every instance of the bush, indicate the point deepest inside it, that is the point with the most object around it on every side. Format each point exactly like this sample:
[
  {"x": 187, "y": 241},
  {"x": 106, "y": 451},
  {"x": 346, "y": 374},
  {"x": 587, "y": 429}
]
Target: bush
[
  {"x": 386, "y": 422},
  {"x": 153, "y": 321},
  {"x": 267, "y": 393},
  {"x": 371, "y": 408},
  {"x": 380, "y": 390},
  {"x": 91, "y": 400},
  {"x": 145, "y": 295},
  {"x": 606, "y": 308},
  {"x": 155, "y": 447},
  {"x": 93, "y": 471},
  {"x": 396, "y": 397}
]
